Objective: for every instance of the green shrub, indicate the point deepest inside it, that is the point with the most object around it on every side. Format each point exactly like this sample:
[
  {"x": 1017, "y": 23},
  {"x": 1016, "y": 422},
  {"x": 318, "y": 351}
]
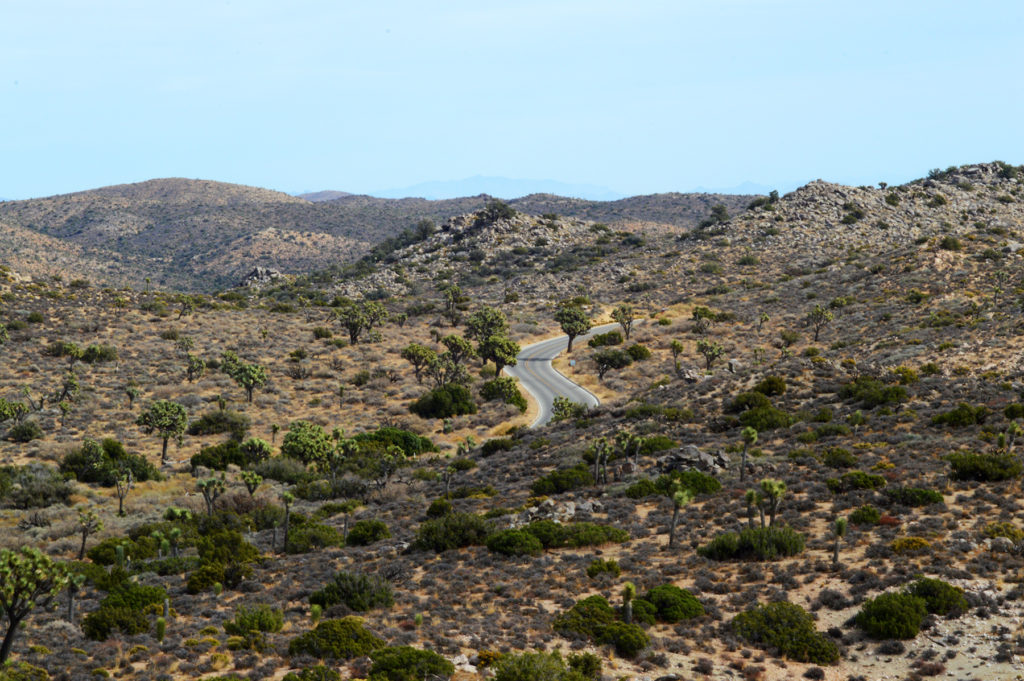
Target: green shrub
[
  {"x": 638, "y": 352},
  {"x": 405, "y": 663},
  {"x": 504, "y": 388},
  {"x": 789, "y": 629},
  {"x": 101, "y": 463},
  {"x": 359, "y": 592},
  {"x": 537, "y": 667},
  {"x": 628, "y": 639},
  {"x": 656, "y": 443},
  {"x": 379, "y": 440},
  {"x": 587, "y": 617},
  {"x": 984, "y": 467},
  {"x": 367, "y": 531},
  {"x": 644, "y": 611},
  {"x": 855, "y": 480},
  {"x": 33, "y": 485},
  {"x": 26, "y": 431},
  {"x": 22, "y": 671},
  {"x": 892, "y": 615},
  {"x": 962, "y": 416},
  {"x": 754, "y": 543},
  {"x": 909, "y": 546},
  {"x": 341, "y": 639},
  {"x": 763, "y": 419},
  {"x": 747, "y": 401},
  {"x": 219, "y": 457},
  {"x": 1008, "y": 530},
  {"x": 444, "y": 402},
  {"x": 563, "y": 480},
  {"x": 837, "y": 457},
  {"x": 312, "y": 536},
  {"x": 913, "y": 496},
  {"x": 95, "y": 354},
  {"x": 599, "y": 566},
  {"x": 205, "y": 577},
  {"x": 603, "y": 339},
  {"x": 871, "y": 393},
  {"x": 866, "y": 515},
  {"x": 496, "y": 445},
  {"x": 283, "y": 469},
  {"x": 641, "y": 489},
  {"x": 317, "y": 673},
  {"x": 940, "y": 598},
  {"x": 100, "y": 624},
  {"x": 451, "y": 531},
  {"x": 438, "y": 508},
  {"x": 261, "y": 618},
  {"x": 674, "y": 604},
  {"x": 554, "y": 535},
  {"x": 514, "y": 542},
  {"x": 771, "y": 386},
  {"x": 1014, "y": 410},
  {"x": 221, "y": 421}
]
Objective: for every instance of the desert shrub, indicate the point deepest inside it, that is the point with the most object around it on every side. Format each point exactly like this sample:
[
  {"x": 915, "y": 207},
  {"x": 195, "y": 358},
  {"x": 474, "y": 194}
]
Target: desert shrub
[
  {"x": 283, "y": 469},
  {"x": 638, "y": 352},
  {"x": 128, "y": 594},
  {"x": 746, "y": 401},
  {"x": 262, "y": 618},
  {"x": 984, "y": 467},
  {"x": 312, "y": 536},
  {"x": 754, "y": 543},
  {"x": 871, "y": 393},
  {"x": 538, "y": 667},
  {"x": 367, "y": 531},
  {"x": 496, "y": 445},
  {"x": 908, "y": 546},
  {"x": 26, "y": 431},
  {"x": 504, "y": 388},
  {"x": 514, "y": 542},
  {"x": 105, "y": 552},
  {"x": 438, "y": 508},
  {"x": 411, "y": 444},
  {"x": 563, "y": 480},
  {"x": 444, "y": 402},
  {"x": 1007, "y": 530},
  {"x": 865, "y": 515},
  {"x": 603, "y": 339},
  {"x": 831, "y": 429},
  {"x": 789, "y": 629},
  {"x": 222, "y": 421},
  {"x": 317, "y": 673},
  {"x": 940, "y": 598},
  {"x": 642, "y": 488},
  {"x": 656, "y": 443},
  {"x": 892, "y": 615},
  {"x": 855, "y": 480},
  {"x": 451, "y": 531},
  {"x": 674, "y": 604},
  {"x": 627, "y": 639},
  {"x": 599, "y": 566},
  {"x": 587, "y": 617},
  {"x": 962, "y": 416},
  {"x": 219, "y": 457},
  {"x": 98, "y": 353},
  {"x": 33, "y": 485},
  {"x": 101, "y": 463},
  {"x": 360, "y": 592},
  {"x": 405, "y": 663},
  {"x": 341, "y": 639},
  {"x": 837, "y": 457},
  {"x": 554, "y": 535},
  {"x": 771, "y": 386},
  {"x": 764, "y": 419},
  {"x": 22, "y": 671},
  {"x": 644, "y": 611},
  {"x": 340, "y": 488},
  {"x": 100, "y": 624},
  {"x": 913, "y": 496},
  {"x": 1014, "y": 410},
  {"x": 204, "y": 577},
  {"x": 305, "y": 442}
]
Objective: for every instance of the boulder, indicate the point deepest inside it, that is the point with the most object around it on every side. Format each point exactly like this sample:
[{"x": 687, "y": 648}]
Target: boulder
[{"x": 691, "y": 457}]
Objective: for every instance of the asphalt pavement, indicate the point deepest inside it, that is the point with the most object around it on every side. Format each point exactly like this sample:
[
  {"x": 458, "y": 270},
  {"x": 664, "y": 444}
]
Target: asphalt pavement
[{"x": 543, "y": 381}]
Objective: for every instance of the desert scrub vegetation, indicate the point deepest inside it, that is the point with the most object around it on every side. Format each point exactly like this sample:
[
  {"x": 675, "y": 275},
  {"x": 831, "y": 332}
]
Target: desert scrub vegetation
[
  {"x": 754, "y": 543},
  {"x": 892, "y": 615},
  {"x": 339, "y": 639},
  {"x": 360, "y": 592},
  {"x": 595, "y": 619},
  {"x": 788, "y": 628},
  {"x": 984, "y": 467}
]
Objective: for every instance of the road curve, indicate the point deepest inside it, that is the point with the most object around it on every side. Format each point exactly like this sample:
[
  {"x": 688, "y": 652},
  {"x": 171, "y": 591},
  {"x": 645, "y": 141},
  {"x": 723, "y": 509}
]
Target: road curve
[{"x": 535, "y": 373}]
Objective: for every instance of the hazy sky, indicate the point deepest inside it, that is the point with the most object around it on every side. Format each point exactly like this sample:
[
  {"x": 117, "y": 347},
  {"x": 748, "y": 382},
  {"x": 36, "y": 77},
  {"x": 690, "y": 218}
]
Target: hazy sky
[{"x": 639, "y": 96}]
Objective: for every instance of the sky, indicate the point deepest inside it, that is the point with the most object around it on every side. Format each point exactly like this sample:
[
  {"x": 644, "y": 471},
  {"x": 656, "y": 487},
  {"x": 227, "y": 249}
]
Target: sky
[{"x": 636, "y": 96}]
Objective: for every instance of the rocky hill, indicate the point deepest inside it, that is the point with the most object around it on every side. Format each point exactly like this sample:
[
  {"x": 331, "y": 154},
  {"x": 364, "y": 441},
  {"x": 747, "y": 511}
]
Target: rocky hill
[{"x": 201, "y": 235}]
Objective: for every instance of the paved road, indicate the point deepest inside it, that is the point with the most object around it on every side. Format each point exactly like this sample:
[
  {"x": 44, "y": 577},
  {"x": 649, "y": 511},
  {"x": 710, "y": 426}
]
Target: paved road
[{"x": 535, "y": 373}]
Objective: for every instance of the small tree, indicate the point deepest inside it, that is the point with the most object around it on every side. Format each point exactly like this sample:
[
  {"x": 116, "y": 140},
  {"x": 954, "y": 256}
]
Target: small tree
[
  {"x": 196, "y": 368},
  {"x": 501, "y": 350},
  {"x": 819, "y": 318},
  {"x": 773, "y": 491},
  {"x": 574, "y": 322},
  {"x": 455, "y": 303},
  {"x": 625, "y": 316},
  {"x": 753, "y": 500},
  {"x": 484, "y": 323},
  {"x": 677, "y": 348},
  {"x": 839, "y": 530},
  {"x": 252, "y": 481},
  {"x": 749, "y": 436},
  {"x": 132, "y": 392},
  {"x": 250, "y": 377},
  {"x": 680, "y": 498},
  {"x": 211, "y": 489},
  {"x": 420, "y": 357},
  {"x": 165, "y": 418},
  {"x": 610, "y": 358},
  {"x": 88, "y": 523},
  {"x": 28, "y": 578},
  {"x": 711, "y": 351},
  {"x": 628, "y": 594},
  {"x": 762, "y": 319},
  {"x": 123, "y": 482},
  {"x": 354, "y": 320}
]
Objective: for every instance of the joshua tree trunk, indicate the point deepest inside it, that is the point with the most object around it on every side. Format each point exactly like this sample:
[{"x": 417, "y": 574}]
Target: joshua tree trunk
[
  {"x": 163, "y": 453},
  {"x": 835, "y": 552},
  {"x": 672, "y": 527},
  {"x": 743, "y": 463}
]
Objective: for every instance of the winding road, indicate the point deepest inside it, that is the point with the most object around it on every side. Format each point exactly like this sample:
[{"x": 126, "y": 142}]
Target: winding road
[{"x": 535, "y": 373}]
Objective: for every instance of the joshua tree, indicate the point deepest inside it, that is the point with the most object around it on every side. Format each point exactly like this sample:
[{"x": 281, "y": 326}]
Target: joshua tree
[
  {"x": 628, "y": 594},
  {"x": 819, "y": 318},
  {"x": 749, "y": 436},
  {"x": 602, "y": 450},
  {"x": 75, "y": 582},
  {"x": 762, "y": 320},
  {"x": 287, "y": 498},
  {"x": 680, "y": 498},
  {"x": 166, "y": 419},
  {"x": 773, "y": 491},
  {"x": 250, "y": 377},
  {"x": 839, "y": 530},
  {"x": 88, "y": 523},
  {"x": 677, "y": 348},
  {"x": 28, "y": 578},
  {"x": 252, "y": 481},
  {"x": 274, "y": 430},
  {"x": 629, "y": 443},
  {"x": 123, "y": 482},
  {"x": 625, "y": 316},
  {"x": 1012, "y": 431},
  {"x": 711, "y": 351},
  {"x": 211, "y": 488},
  {"x": 753, "y": 500},
  {"x": 195, "y": 369},
  {"x": 574, "y": 322},
  {"x": 420, "y": 357}
]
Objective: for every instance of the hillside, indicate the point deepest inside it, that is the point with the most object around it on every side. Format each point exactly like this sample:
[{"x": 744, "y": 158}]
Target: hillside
[
  {"x": 201, "y": 235},
  {"x": 859, "y": 348}
]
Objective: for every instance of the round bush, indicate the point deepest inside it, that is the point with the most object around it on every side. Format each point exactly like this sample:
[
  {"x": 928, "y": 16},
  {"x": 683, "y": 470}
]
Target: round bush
[
  {"x": 628, "y": 639},
  {"x": 406, "y": 663},
  {"x": 789, "y": 628},
  {"x": 674, "y": 604},
  {"x": 444, "y": 402},
  {"x": 439, "y": 508},
  {"x": 587, "y": 617},
  {"x": 892, "y": 615},
  {"x": 341, "y": 639},
  {"x": 940, "y": 598},
  {"x": 359, "y": 592},
  {"x": 451, "y": 531},
  {"x": 514, "y": 543},
  {"x": 866, "y": 515},
  {"x": 644, "y": 611},
  {"x": 367, "y": 531}
]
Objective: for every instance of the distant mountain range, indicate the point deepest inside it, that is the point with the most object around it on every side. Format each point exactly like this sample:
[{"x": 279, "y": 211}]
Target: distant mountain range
[
  {"x": 500, "y": 187},
  {"x": 203, "y": 235}
]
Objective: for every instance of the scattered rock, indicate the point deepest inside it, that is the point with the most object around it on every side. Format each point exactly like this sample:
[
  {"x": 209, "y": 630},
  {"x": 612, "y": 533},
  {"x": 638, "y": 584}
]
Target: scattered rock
[{"x": 690, "y": 457}]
